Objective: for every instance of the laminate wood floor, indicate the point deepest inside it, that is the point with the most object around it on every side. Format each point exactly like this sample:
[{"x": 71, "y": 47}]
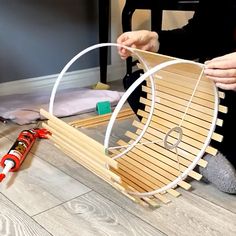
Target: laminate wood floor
[{"x": 53, "y": 195}]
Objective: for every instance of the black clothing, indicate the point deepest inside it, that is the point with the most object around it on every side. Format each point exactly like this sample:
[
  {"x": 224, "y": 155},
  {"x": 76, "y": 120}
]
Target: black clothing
[
  {"x": 210, "y": 33},
  {"x": 134, "y": 97}
]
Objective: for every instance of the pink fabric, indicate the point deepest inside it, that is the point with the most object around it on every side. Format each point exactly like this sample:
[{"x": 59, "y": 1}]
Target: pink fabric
[{"x": 24, "y": 108}]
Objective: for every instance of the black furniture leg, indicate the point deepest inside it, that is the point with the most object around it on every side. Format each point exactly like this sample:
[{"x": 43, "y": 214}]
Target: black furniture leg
[
  {"x": 104, "y": 15},
  {"x": 126, "y": 26}
]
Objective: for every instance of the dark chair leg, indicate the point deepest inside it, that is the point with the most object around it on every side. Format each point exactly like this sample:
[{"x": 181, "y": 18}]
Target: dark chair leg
[
  {"x": 127, "y": 14},
  {"x": 156, "y": 19},
  {"x": 104, "y": 15}
]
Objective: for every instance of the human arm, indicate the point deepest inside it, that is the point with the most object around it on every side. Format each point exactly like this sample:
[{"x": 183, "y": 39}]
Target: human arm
[
  {"x": 141, "y": 39},
  {"x": 222, "y": 70}
]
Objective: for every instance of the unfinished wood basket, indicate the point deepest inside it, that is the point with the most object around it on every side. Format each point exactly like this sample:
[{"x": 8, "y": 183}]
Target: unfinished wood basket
[{"x": 174, "y": 133}]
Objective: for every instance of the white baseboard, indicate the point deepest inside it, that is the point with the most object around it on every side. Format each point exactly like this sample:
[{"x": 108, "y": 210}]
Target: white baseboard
[{"x": 80, "y": 78}]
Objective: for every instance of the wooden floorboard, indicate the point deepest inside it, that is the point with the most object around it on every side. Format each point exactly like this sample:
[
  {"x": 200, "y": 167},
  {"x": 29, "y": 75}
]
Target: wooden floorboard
[
  {"x": 212, "y": 194},
  {"x": 14, "y": 221},
  {"x": 92, "y": 214}
]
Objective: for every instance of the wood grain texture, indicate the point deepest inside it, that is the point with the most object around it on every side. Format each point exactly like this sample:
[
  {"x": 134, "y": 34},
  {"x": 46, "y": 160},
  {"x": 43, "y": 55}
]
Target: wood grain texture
[
  {"x": 191, "y": 213},
  {"x": 90, "y": 215},
  {"x": 212, "y": 194},
  {"x": 13, "y": 221}
]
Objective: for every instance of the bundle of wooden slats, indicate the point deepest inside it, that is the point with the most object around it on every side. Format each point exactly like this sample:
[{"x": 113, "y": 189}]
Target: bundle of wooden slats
[
  {"x": 101, "y": 119},
  {"x": 84, "y": 150},
  {"x": 152, "y": 164}
]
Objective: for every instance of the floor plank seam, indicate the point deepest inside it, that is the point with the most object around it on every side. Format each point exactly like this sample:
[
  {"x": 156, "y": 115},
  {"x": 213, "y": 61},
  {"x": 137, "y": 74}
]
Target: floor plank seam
[{"x": 213, "y": 203}]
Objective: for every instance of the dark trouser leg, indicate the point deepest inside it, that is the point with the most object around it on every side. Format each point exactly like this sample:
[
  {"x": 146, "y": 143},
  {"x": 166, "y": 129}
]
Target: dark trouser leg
[
  {"x": 228, "y": 146},
  {"x": 134, "y": 97},
  {"x": 220, "y": 170}
]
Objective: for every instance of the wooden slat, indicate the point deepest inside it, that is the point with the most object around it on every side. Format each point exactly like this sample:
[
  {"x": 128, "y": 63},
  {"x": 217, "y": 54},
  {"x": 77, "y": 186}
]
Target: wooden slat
[
  {"x": 151, "y": 202},
  {"x": 147, "y": 160},
  {"x": 198, "y": 115},
  {"x": 195, "y": 175},
  {"x": 73, "y": 140},
  {"x": 101, "y": 119},
  {"x": 188, "y": 129},
  {"x": 145, "y": 168},
  {"x": 145, "y": 200},
  {"x": 192, "y": 148},
  {"x": 162, "y": 198},
  {"x": 192, "y": 174},
  {"x": 186, "y": 146},
  {"x": 161, "y": 158},
  {"x": 149, "y": 172},
  {"x": 82, "y": 138},
  {"x": 120, "y": 188},
  {"x": 83, "y": 160},
  {"x": 223, "y": 109},
  {"x": 117, "y": 186},
  {"x": 173, "y": 192},
  {"x": 185, "y": 155},
  {"x": 205, "y": 87},
  {"x": 100, "y": 158},
  {"x": 104, "y": 122},
  {"x": 185, "y": 93},
  {"x": 161, "y": 131},
  {"x": 137, "y": 179},
  {"x": 179, "y": 114},
  {"x": 183, "y": 102},
  {"x": 202, "y": 163},
  {"x": 135, "y": 188}
]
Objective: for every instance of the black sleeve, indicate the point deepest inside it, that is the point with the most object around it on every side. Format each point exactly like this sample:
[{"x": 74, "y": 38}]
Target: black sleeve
[{"x": 208, "y": 34}]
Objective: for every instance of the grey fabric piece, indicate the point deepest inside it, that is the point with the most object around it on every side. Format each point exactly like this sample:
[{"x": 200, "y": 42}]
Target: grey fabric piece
[
  {"x": 220, "y": 172},
  {"x": 24, "y": 108}
]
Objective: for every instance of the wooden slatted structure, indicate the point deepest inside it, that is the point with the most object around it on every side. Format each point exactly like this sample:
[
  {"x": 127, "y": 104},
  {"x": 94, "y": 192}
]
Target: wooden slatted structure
[
  {"x": 179, "y": 130},
  {"x": 101, "y": 119}
]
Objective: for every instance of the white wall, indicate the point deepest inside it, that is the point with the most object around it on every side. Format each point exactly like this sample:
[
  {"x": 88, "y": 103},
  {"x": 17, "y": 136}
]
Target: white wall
[{"x": 81, "y": 78}]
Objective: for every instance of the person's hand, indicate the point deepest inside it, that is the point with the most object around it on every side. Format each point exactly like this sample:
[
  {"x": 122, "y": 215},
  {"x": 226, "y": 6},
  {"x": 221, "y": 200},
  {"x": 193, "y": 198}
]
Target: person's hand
[
  {"x": 222, "y": 70},
  {"x": 141, "y": 39}
]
